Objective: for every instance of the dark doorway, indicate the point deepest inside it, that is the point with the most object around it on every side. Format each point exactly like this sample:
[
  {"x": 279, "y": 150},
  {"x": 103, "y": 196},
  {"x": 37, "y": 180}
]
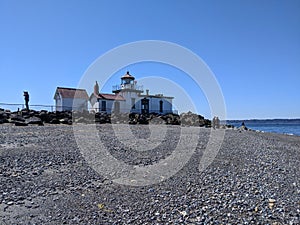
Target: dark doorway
[
  {"x": 161, "y": 107},
  {"x": 145, "y": 106},
  {"x": 103, "y": 105}
]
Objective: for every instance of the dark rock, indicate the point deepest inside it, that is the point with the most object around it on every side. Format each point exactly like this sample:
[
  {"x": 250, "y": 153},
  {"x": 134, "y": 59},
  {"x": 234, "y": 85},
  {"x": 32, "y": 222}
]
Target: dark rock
[
  {"x": 55, "y": 121},
  {"x": 143, "y": 119},
  {"x": 68, "y": 117},
  {"x": 64, "y": 121},
  {"x": 44, "y": 116},
  {"x": 20, "y": 123},
  {"x": 80, "y": 120},
  {"x": 4, "y": 115},
  {"x": 35, "y": 120},
  {"x": 4, "y": 121},
  {"x": 156, "y": 120},
  {"x": 192, "y": 119},
  {"x": 25, "y": 113},
  {"x": 16, "y": 117}
]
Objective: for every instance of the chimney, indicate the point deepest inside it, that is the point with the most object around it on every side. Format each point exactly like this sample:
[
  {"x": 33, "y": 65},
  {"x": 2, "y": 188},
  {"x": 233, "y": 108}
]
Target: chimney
[
  {"x": 96, "y": 88},
  {"x": 147, "y": 91}
]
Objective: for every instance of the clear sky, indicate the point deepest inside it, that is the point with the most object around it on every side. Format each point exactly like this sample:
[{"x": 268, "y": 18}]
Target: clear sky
[{"x": 252, "y": 47}]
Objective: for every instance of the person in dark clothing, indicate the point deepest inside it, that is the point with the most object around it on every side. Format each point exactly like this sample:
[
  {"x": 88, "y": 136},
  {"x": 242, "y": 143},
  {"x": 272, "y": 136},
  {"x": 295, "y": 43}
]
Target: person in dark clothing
[
  {"x": 26, "y": 98},
  {"x": 243, "y": 126}
]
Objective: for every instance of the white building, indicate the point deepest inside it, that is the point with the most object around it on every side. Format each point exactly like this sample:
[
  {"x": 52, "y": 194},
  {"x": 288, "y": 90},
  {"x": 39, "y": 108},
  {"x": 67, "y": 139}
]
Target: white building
[
  {"x": 129, "y": 97},
  {"x": 67, "y": 99}
]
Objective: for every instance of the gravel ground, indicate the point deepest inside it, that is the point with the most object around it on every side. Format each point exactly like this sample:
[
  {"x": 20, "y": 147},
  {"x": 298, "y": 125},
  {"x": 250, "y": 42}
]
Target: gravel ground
[{"x": 44, "y": 179}]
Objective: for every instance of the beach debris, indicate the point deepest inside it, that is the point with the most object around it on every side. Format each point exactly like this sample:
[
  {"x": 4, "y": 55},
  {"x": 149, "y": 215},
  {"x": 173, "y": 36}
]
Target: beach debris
[
  {"x": 101, "y": 206},
  {"x": 183, "y": 213},
  {"x": 271, "y": 203}
]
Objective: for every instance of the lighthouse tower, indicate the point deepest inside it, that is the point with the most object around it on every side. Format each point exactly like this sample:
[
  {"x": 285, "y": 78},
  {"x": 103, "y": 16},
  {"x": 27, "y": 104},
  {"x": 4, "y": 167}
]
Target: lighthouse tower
[
  {"x": 128, "y": 84},
  {"x": 130, "y": 91}
]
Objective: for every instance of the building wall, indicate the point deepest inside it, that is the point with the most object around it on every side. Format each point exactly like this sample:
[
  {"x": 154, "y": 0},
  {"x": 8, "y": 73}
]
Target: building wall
[
  {"x": 154, "y": 105},
  {"x": 71, "y": 104},
  {"x": 97, "y": 107},
  {"x": 109, "y": 105},
  {"x": 126, "y": 106},
  {"x": 58, "y": 102}
]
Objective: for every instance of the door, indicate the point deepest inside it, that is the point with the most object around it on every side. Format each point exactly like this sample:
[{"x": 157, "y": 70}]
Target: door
[
  {"x": 103, "y": 106},
  {"x": 161, "y": 107},
  {"x": 116, "y": 107},
  {"x": 145, "y": 106}
]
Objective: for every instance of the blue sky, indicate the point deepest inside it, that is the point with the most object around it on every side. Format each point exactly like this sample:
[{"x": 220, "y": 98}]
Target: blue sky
[{"x": 252, "y": 47}]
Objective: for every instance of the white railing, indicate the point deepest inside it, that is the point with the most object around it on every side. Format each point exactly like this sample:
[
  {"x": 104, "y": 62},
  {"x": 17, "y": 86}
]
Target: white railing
[{"x": 128, "y": 86}]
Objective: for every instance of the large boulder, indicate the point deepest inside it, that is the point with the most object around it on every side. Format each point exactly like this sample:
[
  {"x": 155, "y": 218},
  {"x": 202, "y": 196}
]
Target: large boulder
[
  {"x": 189, "y": 119},
  {"x": 35, "y": 120},
  {"x": 156, "y": 119},
  {"x": 20, "y": 123},
  {"x": 102, "y": 117},
  {"x": 55, "y": 121},
  {"x": 16, "y": 117},
  {"x": 143, "y": 119},
  {"x": 171, "y": 119},
  {"x": 192, "y": 119},
  {"x": 4, "y": 115}
]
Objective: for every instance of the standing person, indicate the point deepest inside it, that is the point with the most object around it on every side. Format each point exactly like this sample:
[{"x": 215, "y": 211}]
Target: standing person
[
  {"x": 214, "y": 122},
  {"x": 26, "y": 98},
  {"x": 217, "y": 122}
]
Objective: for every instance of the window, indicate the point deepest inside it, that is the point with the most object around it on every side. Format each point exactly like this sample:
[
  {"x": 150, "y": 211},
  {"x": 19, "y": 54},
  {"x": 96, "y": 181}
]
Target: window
[{"x": 103, "y": 105}]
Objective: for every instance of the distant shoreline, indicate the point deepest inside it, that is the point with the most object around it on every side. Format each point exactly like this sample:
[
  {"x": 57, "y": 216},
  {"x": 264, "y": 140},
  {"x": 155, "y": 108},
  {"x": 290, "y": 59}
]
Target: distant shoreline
[
  {"x": 281, "y": 126},
  {"x": 266, "y": 120}
]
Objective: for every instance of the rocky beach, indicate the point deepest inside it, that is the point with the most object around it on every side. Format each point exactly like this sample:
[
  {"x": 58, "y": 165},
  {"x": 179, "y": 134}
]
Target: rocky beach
[{"x": 45, "y": 179}]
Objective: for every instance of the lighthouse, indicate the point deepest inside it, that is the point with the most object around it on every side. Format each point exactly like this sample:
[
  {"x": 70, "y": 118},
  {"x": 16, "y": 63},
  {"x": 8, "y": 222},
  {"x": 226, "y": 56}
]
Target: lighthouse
[
  {"x": 129, "y": 97},
  {"x": 130, "y": 91},
  {"x": 128, "y": 84}
]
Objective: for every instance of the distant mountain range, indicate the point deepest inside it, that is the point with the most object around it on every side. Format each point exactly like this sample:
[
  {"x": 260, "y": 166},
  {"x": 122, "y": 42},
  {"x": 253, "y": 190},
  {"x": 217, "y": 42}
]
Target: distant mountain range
[{"x": 266, "y": 121}]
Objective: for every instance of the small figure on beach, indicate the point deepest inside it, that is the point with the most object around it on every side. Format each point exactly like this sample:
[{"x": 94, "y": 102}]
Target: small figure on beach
[
  {"x": 26, "y": 98},
  {"x": 243, "y": 126},
  {"x": 216, "y": 122}
]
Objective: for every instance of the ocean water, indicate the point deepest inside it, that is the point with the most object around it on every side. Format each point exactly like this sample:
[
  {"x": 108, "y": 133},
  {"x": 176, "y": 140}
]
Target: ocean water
[{"x": 282, "y": 126}]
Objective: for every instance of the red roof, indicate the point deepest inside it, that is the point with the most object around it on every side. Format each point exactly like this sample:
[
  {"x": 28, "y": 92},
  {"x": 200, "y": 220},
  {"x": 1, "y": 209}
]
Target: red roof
[
  {"x": 111, "y": 97},
  {"x": 72, "y": 93}
]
